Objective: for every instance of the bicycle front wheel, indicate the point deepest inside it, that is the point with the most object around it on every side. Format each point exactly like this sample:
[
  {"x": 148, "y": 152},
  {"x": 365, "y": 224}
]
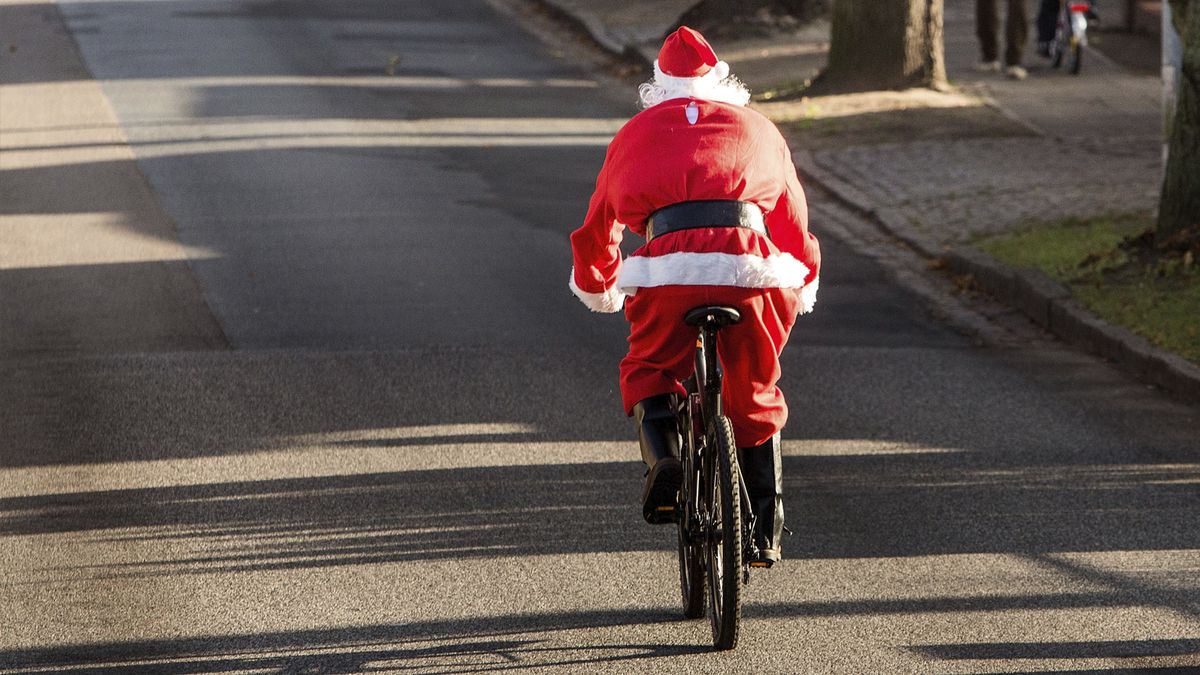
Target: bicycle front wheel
[
  {"x": 723, "y": 542},
  {"x": 1076, "y": 57}
]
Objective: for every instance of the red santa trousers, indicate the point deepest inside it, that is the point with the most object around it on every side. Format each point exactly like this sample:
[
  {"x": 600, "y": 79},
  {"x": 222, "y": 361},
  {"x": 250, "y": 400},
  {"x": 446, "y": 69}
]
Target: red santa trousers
[{"x": 661, "y": 349}]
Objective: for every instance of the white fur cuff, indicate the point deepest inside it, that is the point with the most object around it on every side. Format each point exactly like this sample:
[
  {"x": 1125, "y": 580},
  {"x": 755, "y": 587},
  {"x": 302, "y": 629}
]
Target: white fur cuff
[
  {"x": 608, "y": 302},
  {"x": 808, "y": 295}
]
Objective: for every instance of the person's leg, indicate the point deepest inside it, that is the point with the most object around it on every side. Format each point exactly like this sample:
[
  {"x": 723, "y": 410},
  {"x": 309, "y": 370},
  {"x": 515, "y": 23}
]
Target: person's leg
[
  {"x": 985, "y": 30},
  {"x": 750, "y": 354},
  {"x": 1016, "y": 32},
  {"x": 660, "y": 349},
  {"x": 1047, "y": 21},
  {"x": 658, "y": 437},
  {"x": 660, "y": 344},
  {"x": 762, "y": 469}
]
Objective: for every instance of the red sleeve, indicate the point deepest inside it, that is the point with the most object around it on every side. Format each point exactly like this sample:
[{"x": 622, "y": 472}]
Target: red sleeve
[
  {"x": 596, "y": 248},
  {"x": 596, "y": 245},
  {"x": 788, "y": 221}
]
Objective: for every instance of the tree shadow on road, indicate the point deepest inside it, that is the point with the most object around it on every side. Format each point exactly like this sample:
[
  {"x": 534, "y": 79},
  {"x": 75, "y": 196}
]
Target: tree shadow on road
[
  {"x": 451, "y": 646},
  {"x": 351, "y": 519},
  {"x": 844, "y": 507}
]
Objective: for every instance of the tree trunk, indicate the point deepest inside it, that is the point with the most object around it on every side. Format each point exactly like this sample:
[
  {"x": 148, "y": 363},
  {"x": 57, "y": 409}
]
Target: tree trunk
[
  {"x": 1179, "y": 204},
  {"x": 889, "y": 44}
]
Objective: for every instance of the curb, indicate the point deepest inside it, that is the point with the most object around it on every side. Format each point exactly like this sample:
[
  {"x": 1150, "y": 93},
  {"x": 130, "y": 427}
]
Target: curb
[
  {"x": 1045, "y": 301},
  {"x": 593, "y": 30}
]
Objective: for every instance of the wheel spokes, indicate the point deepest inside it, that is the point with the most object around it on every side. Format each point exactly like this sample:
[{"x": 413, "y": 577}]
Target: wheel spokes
[{"x": 716, "y": 569}]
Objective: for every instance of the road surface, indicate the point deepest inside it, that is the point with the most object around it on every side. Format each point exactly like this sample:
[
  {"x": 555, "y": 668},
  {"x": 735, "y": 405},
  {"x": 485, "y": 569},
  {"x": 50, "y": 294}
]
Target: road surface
[{"x": 291, "y": 381}]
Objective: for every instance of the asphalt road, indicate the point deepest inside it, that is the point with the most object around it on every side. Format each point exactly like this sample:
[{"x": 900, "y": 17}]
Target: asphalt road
[{"x": 340, "y": 413}]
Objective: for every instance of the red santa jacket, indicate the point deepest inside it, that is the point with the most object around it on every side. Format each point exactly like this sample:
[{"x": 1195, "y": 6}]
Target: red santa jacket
[{"x": 669, "y": 154}]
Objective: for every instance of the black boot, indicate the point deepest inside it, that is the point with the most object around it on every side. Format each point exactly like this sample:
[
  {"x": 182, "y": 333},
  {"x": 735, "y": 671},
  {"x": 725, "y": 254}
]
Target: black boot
[
  {"x": 762, "y": 467},
  {"x": 658, "y": 435}
]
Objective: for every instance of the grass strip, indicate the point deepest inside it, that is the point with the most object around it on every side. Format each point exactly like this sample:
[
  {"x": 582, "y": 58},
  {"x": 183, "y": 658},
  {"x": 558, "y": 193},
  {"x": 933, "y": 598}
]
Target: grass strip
[{"x": 1110, "y": 265}]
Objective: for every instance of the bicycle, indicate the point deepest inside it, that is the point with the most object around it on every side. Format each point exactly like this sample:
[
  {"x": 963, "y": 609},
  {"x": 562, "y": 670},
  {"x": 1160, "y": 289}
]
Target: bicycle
[
  {"x": 1070, "y": 36},
  {"x": 715, "y": 520}
]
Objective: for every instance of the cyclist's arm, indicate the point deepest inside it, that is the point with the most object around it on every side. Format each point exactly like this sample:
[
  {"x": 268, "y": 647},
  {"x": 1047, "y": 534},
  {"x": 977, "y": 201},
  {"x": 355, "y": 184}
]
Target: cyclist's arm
[
  {"x": 596, "y": 252},
  {"x": 788, "y": 225}
]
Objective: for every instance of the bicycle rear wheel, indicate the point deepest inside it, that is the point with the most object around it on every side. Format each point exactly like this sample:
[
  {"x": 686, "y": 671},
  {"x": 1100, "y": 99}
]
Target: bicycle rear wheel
[
  {"x": 1058, "y": 45},
  {"x": 723, "y": 542},
  {"x": 691, "y": 551},
  {"x": 691, "y": 542}
]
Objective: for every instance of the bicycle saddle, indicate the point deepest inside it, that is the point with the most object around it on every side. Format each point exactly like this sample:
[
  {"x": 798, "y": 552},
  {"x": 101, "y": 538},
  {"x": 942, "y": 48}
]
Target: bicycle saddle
[{"x": 721, "y": 315}]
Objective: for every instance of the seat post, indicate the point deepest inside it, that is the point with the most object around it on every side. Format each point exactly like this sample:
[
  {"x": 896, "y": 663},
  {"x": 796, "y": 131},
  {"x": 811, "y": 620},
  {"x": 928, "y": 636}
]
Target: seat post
[
  {"x": 710, "y": 319},
  {"x": 714, "y": 375}
]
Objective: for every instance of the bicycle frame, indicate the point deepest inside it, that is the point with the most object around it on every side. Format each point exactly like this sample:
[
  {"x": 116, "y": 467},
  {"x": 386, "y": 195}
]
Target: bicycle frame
[
  {"x": 705, "y": 404},
  {"x": 707, "y": 368}
]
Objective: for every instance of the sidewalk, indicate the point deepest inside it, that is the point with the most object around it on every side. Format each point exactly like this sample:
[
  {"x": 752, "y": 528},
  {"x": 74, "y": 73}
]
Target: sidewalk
[{"x": 1076, "y": 146}]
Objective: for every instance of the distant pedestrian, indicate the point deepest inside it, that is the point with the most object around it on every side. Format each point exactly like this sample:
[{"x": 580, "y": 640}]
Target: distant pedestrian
[
  {"x": 1016, "y": 31},
  {"x": 1047, "y": 23}
]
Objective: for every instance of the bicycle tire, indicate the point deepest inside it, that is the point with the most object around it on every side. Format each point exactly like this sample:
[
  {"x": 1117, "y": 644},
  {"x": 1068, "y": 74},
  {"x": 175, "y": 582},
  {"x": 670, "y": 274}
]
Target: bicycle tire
[
  {"x": 691, "y": 554},
  {"x": 724, "y": 541},
  {"x": 1076, "y": 58},
  {"x": 690, "y": 546}
]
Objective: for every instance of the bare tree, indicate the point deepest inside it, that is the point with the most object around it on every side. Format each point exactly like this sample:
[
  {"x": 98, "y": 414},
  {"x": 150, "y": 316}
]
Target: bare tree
[
  {"x": 886, "y": 44},
  {"x": 1179, "y": 204}
]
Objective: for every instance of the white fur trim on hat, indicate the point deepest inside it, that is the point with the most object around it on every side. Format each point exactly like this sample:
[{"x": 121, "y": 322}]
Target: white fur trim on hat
[
  {"x": 711, "y": 269},
  {"x": 691, "y": 86},
  {"x": 608, "y": 302},
  {"x": 714, "y": 75},
  {"x": 715, "y": 85}
]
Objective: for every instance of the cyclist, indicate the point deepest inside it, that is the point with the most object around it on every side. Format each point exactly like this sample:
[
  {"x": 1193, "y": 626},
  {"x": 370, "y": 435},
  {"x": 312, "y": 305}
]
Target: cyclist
[
  {"x": 1047, "y": 23},
  {"x": 711, "y": 186}
]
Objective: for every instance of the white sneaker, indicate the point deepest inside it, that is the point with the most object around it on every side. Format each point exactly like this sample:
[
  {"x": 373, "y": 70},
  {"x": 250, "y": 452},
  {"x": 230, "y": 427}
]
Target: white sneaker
[
  {"x": 988, "y": 66},
  {"x": 1016, "y": 73}
]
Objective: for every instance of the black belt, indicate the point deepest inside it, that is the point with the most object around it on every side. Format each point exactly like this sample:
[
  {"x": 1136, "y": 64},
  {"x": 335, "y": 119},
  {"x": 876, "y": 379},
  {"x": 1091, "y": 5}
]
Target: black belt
[{"x": 704, "y": 213}]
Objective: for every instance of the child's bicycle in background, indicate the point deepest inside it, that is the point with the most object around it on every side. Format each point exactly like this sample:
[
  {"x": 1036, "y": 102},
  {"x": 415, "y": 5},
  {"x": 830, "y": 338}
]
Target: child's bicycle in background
[{"x": 1070, "y": 36}]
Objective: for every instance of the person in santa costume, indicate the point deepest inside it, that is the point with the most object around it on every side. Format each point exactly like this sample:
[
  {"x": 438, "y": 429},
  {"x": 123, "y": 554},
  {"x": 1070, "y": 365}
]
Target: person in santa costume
[{"x": 711, "y": 186}]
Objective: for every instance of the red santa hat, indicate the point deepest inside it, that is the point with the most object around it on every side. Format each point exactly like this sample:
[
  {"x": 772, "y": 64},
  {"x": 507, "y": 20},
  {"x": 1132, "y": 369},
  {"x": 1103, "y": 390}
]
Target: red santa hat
[{"x": 685, "y": 54}]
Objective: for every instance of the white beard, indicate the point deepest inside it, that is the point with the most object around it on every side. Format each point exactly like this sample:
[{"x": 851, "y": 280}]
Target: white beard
[{"x": 715, "y": 85}]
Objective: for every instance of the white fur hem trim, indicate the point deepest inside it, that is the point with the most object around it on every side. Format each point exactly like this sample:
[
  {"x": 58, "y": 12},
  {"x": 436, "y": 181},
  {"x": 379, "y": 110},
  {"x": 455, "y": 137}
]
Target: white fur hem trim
[
  {"x": 808, "y": 296},
  {"x": 608, "y": 302},
  {"x": 711, "y": 269}
]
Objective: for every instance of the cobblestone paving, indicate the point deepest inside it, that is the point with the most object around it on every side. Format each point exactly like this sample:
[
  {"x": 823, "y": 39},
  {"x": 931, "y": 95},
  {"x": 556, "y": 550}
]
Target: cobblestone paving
[{"x": 958, "y": 191}]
